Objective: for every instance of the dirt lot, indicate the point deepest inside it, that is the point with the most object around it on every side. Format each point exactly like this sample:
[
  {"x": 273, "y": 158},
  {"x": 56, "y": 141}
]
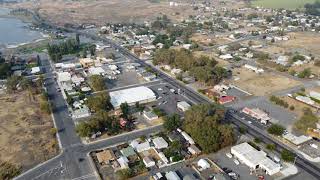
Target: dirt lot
[
  {"x": 261, "y": 84},
  {"x": 103, "y": 11},
  {"x": 25, "y": 133},
  {"x": 209, "y": 39},
  {"x": 221, "y": 62},
  {"x": 298, "y": 106}
]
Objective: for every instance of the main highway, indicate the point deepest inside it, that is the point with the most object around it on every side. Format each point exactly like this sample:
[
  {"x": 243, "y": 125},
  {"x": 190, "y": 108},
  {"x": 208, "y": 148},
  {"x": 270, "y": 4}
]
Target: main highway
[{"x": 73, "y": 161}]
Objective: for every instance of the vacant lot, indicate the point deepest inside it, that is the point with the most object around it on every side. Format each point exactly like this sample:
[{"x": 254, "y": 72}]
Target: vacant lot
[
  {"x": 25, "y": 133},
  {"x": 261, "y": 84},
  {"x": 287, "y": 4}
]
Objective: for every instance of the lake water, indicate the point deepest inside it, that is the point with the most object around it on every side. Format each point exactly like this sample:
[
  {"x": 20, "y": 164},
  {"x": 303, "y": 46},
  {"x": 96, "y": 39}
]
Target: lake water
[{"x": 14, "y": 32}]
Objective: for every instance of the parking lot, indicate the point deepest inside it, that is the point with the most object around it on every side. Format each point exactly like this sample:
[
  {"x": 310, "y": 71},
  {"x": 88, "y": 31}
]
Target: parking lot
[{"x": 228, "y": 163}]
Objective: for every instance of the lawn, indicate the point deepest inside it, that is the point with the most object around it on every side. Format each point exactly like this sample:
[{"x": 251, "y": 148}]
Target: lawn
[{"x": 287, "y": 4}]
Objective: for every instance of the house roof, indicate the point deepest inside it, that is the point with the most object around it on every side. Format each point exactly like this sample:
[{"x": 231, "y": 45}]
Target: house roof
[
  {"x": 160, "y": 143},
  {"x": 128, "y": 151}
]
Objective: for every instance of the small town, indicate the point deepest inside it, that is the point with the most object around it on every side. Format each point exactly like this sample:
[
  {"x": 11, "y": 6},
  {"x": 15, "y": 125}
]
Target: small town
[{"x": 160, "y": 89}]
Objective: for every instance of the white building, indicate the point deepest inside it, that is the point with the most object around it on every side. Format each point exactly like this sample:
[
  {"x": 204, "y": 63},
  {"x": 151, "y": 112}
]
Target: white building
[
  {"x": 64, "y": 76},
  {"x": 258, "y": 114},
  {"x": 81, "y": 113},
  {"x": 142, "y": 147},
  {"x": 140, "y": 94},
  {"x": 159, "y": 143},
  {"x": 203, "y": 164},
  {"x": 226, "y": 56},
  {"x": 172, "y": 176},
  {"x": 148, "y": 162},
  {"x": 254, "y": 159},
  {"x": 187, "y": 137},
  {"x": 253, "y": 68},
  {"x": 183, "y": 106},
  {"x": 96, "y": 71}
]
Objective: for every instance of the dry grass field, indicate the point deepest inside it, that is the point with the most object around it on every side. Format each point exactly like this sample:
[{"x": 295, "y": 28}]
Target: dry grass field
[
  {"x": 261, "y": 84},
  {"x": 104, "y": 11},
  {"x": 25, "y": 133}
]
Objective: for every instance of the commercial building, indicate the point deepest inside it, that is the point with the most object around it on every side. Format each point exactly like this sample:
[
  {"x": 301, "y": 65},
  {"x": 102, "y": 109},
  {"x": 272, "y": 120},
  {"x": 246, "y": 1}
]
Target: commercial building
[
  {"x": 257, "y": 113},
  {"x": 140, "y": 94},
  {"x": 255, "y": 159}
]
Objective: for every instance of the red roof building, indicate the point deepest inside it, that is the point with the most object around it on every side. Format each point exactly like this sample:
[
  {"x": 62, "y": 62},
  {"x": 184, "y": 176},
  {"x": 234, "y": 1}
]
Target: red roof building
[{"x": 226, "y": 99}]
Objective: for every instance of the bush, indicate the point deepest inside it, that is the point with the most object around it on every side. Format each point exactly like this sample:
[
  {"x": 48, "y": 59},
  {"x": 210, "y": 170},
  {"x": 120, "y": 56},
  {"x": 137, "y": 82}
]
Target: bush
[
  {"x": 279, "y": 101},
  {"x": 9, "y": 171},
  {"x": 254, "y": 145},
  {"x": 292, "y": 108},
  {"x": 257, "y": 140},
  {"x": 276, "y": 129}
]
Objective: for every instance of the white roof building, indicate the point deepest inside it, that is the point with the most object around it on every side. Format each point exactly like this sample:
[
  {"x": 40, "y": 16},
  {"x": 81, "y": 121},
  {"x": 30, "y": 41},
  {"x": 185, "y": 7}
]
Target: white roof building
[
  {"x": 123, "y": 162},
  {"x": 296, "y": 140},
  {"x": 81, "y": 113},
  {"x": 96, "y": 71},
  {"x": 187, "y": 137},
  {"x": 172, "y": 176},
  {"x": 254, "y": 159},
  {"x": 143, "y": 147},
  {"x": 183, "y": 106},
  {"x": 35, "y": 70},
  {"x": 315, "y": 95},
  {"x": 140, "y": 94},
  {"x": 253, "y": 68},
  {"x": 64, "y": 76},
  {"x": 160, "y": 143},
  {"x": 148, "y": 162},
  {"x": 203, "y": 164},
  {"x": 226, "y": 56}
]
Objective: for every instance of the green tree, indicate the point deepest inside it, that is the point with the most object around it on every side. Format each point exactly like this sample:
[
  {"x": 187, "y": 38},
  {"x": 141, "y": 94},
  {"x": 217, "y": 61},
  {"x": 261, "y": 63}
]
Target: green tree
[
  {"x": 83, "y": 129},
  {"x": 276, "y": 129},
  {"x": 99, "y": 102},
  {"x": 271, "y": 147},
  {"x": 172, "y": 122},
  {"x": 97, "y": 83},
  {"x": 125, "y": 110},
  {"x": 203, "y": 123},
  {"x": 287, "y": 156},
  {"x": 124, "y": 174}
]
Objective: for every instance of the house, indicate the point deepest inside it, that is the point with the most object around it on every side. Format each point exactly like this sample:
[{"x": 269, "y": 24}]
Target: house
[
  {"x": 226, "y": 99},
  {"x": 142, "y": 147},
  {"x": 96, "y": 71},
  {"x": 86, "y": 62},
  {"x": 123, "y": 162},
  {"x": 253, "y": 68},
  {"x": 127, "y": 152},
  {"x": 105, "y": 156},
  {"x": 194, "y": 150},
  {"x": 64, "y": 77},
  {"x": 183, "y": 106},
  {"x": 81, "y": 113},
  {"x": 296, "y": 140},
  {"x": 226, "y": 56},
  {"x": 187, "y": 137},
  {"x": 148, "y": 162},
  {"x": 150, "y": 115},
  {"x": 282, "y": 60},
  {"x": 255, "y": 159},
  {"x": 159, "y": 143}
]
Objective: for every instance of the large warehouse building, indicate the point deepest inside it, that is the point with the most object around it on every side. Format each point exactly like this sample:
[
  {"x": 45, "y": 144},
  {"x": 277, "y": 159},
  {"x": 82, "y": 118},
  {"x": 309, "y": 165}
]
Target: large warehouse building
[
  {"x": 255, "y": 159},
  {"x": 140, "y": 94}
]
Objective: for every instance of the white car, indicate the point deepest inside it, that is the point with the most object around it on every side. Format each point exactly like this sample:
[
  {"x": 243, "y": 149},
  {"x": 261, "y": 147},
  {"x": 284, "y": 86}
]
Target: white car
[
  {"x": 236, "y": 162},
  {"x": 159, "y": 89},
  {"x": 229, "y": 155},
  {"x": 249, "y": 122}
]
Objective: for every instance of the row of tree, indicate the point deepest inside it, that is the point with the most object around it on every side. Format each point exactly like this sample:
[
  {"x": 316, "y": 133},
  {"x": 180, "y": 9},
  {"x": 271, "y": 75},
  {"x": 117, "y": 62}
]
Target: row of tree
[
  {"x": 203, "y": 68},
  {"x": 56, "y": 51},
  {"x": 313, "y": 9}
]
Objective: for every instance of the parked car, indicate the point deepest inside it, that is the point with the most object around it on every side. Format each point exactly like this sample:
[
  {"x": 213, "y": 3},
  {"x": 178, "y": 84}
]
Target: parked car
[
  {"x": 229, "y": 155},
  {"x": 236, "y": 162}
]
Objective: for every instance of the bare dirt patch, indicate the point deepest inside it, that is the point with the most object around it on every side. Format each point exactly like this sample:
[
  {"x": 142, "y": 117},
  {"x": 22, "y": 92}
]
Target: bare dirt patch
[
  {"x": 25, "y": 133},
  {"x": 261, "y": 84}
]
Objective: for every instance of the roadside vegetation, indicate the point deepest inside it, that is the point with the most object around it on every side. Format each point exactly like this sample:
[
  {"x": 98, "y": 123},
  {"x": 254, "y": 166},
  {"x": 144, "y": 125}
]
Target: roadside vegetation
[
  {"x": 276, "y": 129},
  {"x": 204, "y": 69},
  {"x": 308, "y": 120}
]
